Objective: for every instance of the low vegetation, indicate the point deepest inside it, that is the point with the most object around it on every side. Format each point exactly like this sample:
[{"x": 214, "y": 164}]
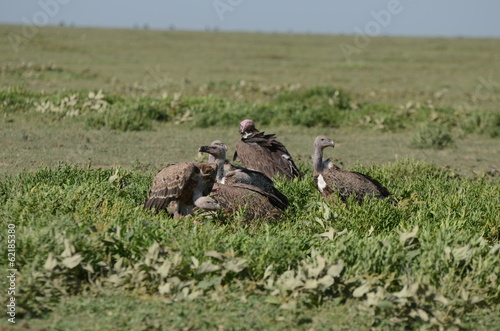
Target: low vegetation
[
  {"x": 313, "y": 107},
  {"x": 431, "y": 259}
]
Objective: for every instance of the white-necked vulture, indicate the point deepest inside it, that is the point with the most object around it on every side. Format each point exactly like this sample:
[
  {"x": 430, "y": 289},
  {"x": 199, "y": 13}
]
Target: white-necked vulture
[
  {"x": 330, "y": 179},
  {"x": 243, "y": 189},
  {"x": 262, "y": 152},
  {"x": 179, "y": 186}
]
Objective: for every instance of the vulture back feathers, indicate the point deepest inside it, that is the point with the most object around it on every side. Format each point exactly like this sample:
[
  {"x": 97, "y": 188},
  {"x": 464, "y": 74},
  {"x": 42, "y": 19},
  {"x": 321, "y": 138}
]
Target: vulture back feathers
[
  {"x": 178, "y": 186},
  {"x": 329, "y": 178},
  {"x": 262, "y": 152},
  {"x": 255, "y": 202}
]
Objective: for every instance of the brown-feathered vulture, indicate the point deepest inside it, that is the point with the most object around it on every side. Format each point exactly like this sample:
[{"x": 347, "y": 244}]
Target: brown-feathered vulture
[
  {"x": 233, "y": 174},
  {"x": 179, "y": 186},
  {"x": 330, "y": 179},
  {"x": 262, "y": 152},
  {"x": 243, "y": 189}
]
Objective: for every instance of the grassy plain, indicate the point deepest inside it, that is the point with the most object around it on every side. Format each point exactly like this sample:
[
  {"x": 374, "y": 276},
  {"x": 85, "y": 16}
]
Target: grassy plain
[
  {"x": 402, "y": 72},
  {"x": 88, "y": 258},
  {"x": 397, "y": 70}
]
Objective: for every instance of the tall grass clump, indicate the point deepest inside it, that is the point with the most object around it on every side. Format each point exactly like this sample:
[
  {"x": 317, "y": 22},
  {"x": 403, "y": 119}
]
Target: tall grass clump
[
  {"x": 124, "y": 118},
  {"x": 432, "y": 135},
  {"x": 17, "y": 100},
  {"x": 482, "y": 122}
]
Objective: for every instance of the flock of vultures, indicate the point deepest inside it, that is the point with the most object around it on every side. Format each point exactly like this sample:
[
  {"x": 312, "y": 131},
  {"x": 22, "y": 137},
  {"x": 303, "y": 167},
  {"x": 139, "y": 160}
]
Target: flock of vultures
[{"x": 182, "y": 187}]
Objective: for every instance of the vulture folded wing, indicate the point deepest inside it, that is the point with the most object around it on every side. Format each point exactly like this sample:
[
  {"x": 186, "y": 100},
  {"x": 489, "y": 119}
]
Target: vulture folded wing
[
  {"x": 173, "y": 183},
  {"x": 247, "y": 176},
  {"x": 268, "y": 157},
  {"x": 371, "y": 186},
  {"x": 256, "y": 203},
  {"x": 238, "y": 175},
  {"x": 352, "y": 183},
  {"x": 278, "y": 201}
]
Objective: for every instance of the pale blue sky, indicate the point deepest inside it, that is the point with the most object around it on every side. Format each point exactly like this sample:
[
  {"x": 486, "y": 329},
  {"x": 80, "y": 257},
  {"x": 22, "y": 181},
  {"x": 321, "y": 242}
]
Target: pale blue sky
[{"x": 452, "y": 18}]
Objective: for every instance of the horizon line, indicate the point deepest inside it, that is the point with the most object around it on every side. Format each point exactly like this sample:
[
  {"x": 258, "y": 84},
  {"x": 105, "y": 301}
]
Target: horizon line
[{"x": 216, "y": 29}]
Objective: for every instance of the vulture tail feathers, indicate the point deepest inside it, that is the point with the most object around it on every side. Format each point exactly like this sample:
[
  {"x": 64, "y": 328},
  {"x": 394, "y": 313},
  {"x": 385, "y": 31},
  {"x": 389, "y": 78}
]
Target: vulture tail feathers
[{"x": 157, "y": 203}]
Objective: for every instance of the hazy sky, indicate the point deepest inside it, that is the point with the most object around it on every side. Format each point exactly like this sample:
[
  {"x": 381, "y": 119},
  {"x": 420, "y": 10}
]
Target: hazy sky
[{"x": 453, "y": 18}]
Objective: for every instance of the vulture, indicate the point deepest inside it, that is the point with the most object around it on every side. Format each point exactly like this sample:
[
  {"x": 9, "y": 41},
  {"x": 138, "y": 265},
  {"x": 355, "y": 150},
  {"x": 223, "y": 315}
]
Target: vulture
[
  {"x": 233, "y": 174},
  {"x": 240, "y": 188},
  {"x": 262, "y": 152},
  {"x": 182, "y": 186},
  {"x": 330, "y": 178}
]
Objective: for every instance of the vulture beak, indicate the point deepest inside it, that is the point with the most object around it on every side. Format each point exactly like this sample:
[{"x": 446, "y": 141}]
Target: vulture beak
[{"x": 203, "y": 149}]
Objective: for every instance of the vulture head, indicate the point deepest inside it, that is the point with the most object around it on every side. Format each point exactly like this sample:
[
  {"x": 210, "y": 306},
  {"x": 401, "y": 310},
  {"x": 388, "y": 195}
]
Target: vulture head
[
  {"x": 247, "y": 127},
  {"x": 218, "y": 156},
  {"x": 211, "y": 159},
  {"x": 218, "y": 151},
  {"x": 321, "y": 142},
  {"x": 206, "y": 203}
]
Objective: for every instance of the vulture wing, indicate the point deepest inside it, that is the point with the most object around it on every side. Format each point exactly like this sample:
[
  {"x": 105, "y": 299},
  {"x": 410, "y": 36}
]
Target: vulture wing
[
  {"x": 370, "y": 186},
  {"x": 256, "y": 179},
  {"x": 254, "y": 201},
  {"x": 350, "y": 183},
  {"x": 175, "y": 182},
  {"x": 279, "y": 201},
  {"x": 264, "y": 153}
]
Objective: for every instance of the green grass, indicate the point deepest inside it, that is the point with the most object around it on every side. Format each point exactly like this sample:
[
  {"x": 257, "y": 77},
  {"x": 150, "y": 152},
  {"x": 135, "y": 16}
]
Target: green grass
[
  {"x": 96, "y": 238},
  {"x": 84, "y": 129},
  {"x": 112, "y": 310}
]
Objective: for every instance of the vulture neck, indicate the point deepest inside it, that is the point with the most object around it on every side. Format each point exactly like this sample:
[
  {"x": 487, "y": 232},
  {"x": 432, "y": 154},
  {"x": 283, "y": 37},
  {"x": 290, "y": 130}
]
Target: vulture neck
[
  {"x": 318, "y": 160},
  {"x": 220, "y": 169},
  {"x": 220, "y": 161}
]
